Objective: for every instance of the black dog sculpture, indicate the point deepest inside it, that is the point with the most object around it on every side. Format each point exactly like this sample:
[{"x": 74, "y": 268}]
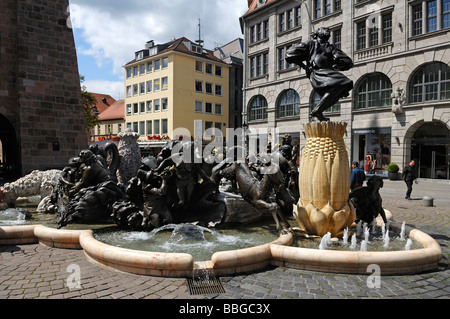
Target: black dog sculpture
[{"x": 367, "y": 200}]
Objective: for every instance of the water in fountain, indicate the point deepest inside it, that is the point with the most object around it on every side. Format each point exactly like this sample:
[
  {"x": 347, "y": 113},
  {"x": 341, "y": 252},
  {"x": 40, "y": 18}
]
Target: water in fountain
[
  {"x": 374, "y": 226},
  {"x": 358, "y": 228},
  {"x": 408, "y": 244},
  {"x": 14, "y": 216},
  {"x": 353, "y": 242},
  {"x": 366, "y": 234},
  {"x": 198, "y": 241},
  {"x": 345, "y": 237},
  {"x": 364, "y": 245},
  {"x": 326, "y": 240},
  {"x": 386, "y": 240},
  {"x": 402, "y": 232}
]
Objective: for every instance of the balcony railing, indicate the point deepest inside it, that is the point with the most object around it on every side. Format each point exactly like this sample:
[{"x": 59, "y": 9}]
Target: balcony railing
[{"x": 373, "y": 52}]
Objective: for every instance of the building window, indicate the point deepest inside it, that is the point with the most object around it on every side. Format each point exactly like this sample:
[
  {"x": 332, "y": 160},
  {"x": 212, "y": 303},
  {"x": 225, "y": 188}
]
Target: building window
[
  {"x": 135, "y": 71},
  {"x": 157, "y": 105},
  {"x": 149, "y": 128},
  {"x": 208, "y": 88},
  {"x": 374, "y": 90},
  {"x": 129, "y": 73},
  {"x": 430, "y": 83},
  {"x": 266, "y": 29},
  {"x": 218, "y": 70},
  {"x": 387, "y": 28},
  {"x": 129, "y": 109},
  {"x": 149, "y": 67},
  {"x": 142, "y": 69},
  {"x": 142, "y": 108},
  {"x": 156, "y": 130},
  {"x": 149, "y": 86},
  {"x": 361, "y": 35},
  {"x": 165, "y": 83},
  {"x": 199, "y": 86},
  {"x": 208, "y": 68},
  {"x": 164, "y": 104},
  {"x": 199, "y": 66},
  {"x": 298, "y": 16},
  {"x": 337, "y": 38},
  {"x": 252, "y": 34},
  {"x": 282, "y": 64},
  {"x": 164, "y": 126},
  {"x": 281, "y": 22},
  {"x": 417, "y": 19},
  {"x": 208, "y": 108},
  {"x": 199, "y": 106},
  {"x": 135, "y": 89},
  {"x": 259, "y": 65},
  {"x": 142, "y": 128},
  {"x": 135, "y": 108},
  {"x": 142, "y": 88},
  {"x": 257, "y": 109},
  {"x": 218, "y": 90},
  {"x": 157, "y": 85},
  {"x": 157, "y": 65},
  {"x": 129, "y": 91},
  {"x": 149, "y": 106},
  {"x": 445, "y": 14},
  {"x": 288, "y": 104},
  {"x": 316, "y": 99},
  {"x": 317, "y": 9},
  {"x": 431, "y": 16},
  {"x": 218, "y": 109},
  {"x": 165, "y": 63},
  {"x": 136, "y": 127}
]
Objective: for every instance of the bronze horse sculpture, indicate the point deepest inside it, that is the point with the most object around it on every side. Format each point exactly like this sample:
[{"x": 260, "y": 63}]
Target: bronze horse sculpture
[{"x": 256, "y": 191}]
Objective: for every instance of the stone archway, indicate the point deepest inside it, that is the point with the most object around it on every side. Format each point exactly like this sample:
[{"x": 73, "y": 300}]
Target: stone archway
[
  {"x": 428, "y": 143},
  {"x": 10, "y": 165}
]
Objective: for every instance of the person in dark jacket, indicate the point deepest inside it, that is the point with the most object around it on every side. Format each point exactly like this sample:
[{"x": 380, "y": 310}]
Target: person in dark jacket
[
  {"x": 358, "y": 176},
  {"x": 408, "y": 176}
]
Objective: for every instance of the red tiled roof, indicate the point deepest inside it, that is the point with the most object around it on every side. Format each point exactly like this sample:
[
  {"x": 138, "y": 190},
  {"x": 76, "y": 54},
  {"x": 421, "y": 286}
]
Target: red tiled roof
[
  {"x": 177, "y": 45},
  {"x": 253, "y": 6},
  {"x": 114, "y": 112},
  {"x": 103, "y": 101}
]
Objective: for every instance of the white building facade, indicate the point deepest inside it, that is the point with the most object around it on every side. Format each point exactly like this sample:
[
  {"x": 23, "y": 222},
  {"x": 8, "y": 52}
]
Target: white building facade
[{"x": 399, "y": 108}]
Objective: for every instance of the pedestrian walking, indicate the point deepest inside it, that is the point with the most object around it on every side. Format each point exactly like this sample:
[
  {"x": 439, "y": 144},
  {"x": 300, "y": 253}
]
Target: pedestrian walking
[
  {"x": 357, "y": 177},
  {"x": 409, "y": 176}
]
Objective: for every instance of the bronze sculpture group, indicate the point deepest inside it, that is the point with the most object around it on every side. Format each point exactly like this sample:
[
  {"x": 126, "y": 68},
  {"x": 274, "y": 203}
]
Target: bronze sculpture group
[{"x": 169, "y": 189}]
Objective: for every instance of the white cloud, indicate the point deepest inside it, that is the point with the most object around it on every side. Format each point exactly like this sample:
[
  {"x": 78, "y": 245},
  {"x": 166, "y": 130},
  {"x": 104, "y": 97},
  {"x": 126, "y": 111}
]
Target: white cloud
[
  {"x": 113, "y": 88},
  {"x": 113, "y": 30}
]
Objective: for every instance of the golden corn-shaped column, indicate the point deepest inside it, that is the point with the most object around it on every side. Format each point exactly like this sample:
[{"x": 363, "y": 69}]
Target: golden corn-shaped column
[{"x": 324, "y": 181}]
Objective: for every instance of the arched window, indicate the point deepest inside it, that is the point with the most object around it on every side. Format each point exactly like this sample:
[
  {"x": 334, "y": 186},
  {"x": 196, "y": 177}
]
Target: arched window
[
  {"x": 315, "y": 99},
  {"x": 257, "y": 109},
  {"x": 430, "y": 83},
  {"x": 288, "y": 104},
  {"x": 374, "y": 90}
]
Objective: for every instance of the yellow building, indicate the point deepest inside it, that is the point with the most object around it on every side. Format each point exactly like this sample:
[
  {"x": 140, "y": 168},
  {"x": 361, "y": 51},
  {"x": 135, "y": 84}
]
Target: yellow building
[{"x": 173, "y": 86}]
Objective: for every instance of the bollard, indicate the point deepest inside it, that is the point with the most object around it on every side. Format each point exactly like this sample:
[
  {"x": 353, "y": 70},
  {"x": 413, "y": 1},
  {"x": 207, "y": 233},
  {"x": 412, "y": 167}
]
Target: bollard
[{"x": 427, "y": 201}]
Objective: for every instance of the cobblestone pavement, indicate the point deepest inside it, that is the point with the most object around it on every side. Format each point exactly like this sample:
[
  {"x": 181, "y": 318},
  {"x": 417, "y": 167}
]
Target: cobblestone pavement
[{"x": 39, "y": 272}]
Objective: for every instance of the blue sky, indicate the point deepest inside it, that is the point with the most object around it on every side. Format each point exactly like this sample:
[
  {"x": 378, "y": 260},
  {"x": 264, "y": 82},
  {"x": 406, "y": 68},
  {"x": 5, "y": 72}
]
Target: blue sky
[{"x": 107, "y": 33}]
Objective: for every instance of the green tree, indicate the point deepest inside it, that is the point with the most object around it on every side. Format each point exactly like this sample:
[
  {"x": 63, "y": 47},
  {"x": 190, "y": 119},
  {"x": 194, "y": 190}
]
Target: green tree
[{"x": 89, "y": 102}]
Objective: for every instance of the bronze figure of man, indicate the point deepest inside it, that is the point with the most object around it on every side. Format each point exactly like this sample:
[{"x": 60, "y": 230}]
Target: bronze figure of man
[{"x": 323, "y": 63}]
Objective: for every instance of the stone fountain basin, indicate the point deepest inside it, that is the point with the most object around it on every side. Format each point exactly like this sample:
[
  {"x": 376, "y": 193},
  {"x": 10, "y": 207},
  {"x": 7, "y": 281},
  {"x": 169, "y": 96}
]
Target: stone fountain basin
[{"x": 276, "y": 253}]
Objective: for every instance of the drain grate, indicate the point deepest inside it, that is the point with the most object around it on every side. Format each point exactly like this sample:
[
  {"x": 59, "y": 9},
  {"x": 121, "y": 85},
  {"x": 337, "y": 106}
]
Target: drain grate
[{"x": 205, "y": 286}]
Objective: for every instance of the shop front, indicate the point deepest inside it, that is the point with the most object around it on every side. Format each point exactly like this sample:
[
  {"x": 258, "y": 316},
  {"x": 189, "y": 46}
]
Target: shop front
[
  {"x": 430, "y": 148},
  {"x": 372, "y": 149}
]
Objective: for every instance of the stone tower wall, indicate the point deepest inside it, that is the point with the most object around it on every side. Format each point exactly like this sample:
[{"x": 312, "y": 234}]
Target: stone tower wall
[{"x": 41, "y": 87}]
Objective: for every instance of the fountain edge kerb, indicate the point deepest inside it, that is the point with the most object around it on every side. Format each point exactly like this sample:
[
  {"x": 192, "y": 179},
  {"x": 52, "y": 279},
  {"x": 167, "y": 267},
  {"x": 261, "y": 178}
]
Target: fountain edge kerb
[{"x": 233, "y": 262}]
